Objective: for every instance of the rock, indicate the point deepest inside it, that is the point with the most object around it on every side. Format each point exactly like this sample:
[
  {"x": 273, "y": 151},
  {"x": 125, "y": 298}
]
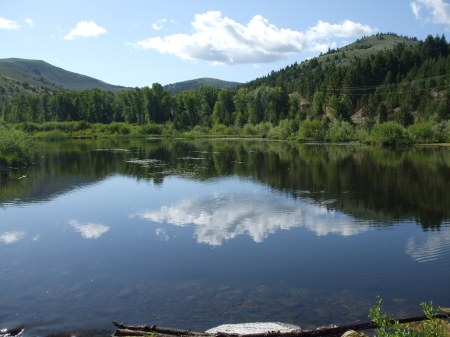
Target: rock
[
  {"x": 252, "y": 328},
  {"x": 352, "y": 333}
]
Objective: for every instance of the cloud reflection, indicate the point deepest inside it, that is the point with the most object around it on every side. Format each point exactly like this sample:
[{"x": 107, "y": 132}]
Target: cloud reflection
[
  {"x": 89, "y": 230},
  {"x": 11, "y": 237},
  {"x": 223, "y": 217},
  {"x": 429, "y": 246}
]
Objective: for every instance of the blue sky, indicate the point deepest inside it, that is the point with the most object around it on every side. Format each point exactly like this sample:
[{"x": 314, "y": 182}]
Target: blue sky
[{"x": 138, "y": 42}]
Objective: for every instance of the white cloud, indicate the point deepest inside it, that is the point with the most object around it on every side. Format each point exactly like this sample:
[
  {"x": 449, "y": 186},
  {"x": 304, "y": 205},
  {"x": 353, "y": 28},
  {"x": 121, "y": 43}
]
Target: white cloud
[
  {"x": 158, "y": 25},
  {"x": 221, "y": 40},
  {"x": 8, "y": 24},
  {"x": 85, "y": 29},
  {"x": 29, "y": 22},
  {"x": 345, "y": 29},
  {"x": 162, "y": 234},
  {"x": 11, "y": 237},
  {"x": 220, "y": 218},
  {"x": 437, "y": 11},
  {"x": 89, "y": 230}
]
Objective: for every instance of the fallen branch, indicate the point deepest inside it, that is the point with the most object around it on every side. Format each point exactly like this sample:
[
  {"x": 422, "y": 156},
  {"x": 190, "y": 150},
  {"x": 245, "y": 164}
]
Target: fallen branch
[
  {"x": 158, "y": 329},
  {"x": 144, "y": 330}
]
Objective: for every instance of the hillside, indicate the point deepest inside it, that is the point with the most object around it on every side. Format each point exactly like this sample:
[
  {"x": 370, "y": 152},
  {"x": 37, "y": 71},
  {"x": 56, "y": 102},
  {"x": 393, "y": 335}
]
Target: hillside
[
  {"x": 363, "y": 48},
  {"x": 25, "y": 76},
  {"x": 198, "y": 83}
]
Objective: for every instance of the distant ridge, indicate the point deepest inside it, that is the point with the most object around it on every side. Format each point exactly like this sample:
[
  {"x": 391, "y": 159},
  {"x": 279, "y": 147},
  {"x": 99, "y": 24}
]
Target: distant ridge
[
  {"x": 198, "y": 83},
  {"x": 40, "y": 75}
]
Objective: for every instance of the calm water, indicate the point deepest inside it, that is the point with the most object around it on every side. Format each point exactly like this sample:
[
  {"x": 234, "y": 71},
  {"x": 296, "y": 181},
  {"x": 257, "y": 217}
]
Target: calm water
[{"x": 193, "y": 234}]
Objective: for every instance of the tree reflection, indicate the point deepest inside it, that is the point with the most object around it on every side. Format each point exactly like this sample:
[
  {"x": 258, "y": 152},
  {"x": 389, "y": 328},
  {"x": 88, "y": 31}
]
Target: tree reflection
[{"x": 366, "y": 182}]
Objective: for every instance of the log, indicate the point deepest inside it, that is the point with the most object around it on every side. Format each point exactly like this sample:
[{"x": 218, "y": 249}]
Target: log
[
  {"x": 158, "y": 329},
  {"x": 143, "y": 330}
]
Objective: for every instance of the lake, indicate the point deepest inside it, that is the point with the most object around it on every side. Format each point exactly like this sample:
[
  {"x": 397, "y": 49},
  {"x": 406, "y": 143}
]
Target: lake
[{"x": 192, "y": 234}]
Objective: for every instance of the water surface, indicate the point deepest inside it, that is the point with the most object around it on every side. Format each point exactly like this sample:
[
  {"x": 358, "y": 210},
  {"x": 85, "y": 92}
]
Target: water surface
[{"x": 194, "y": 234}]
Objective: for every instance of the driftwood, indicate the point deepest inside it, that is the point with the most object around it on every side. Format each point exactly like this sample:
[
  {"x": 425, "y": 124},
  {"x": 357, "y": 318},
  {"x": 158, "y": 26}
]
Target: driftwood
[
  {"x": 11, "y": 332},
  {"x": 153, "y": 328},
  {"x": 145, "y": 330}
]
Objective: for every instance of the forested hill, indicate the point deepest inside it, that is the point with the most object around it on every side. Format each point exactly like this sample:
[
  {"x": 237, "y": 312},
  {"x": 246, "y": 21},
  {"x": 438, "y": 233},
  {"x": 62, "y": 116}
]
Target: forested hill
[
  {"x": 366, "y": 47},
  {"x": 21, "y": 75},
  {"x": 175, "y": 88}
]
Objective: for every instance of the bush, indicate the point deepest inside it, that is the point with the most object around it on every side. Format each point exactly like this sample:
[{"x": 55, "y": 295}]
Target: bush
[
  {"x": 312, "y": 130},
  {"x": 249, "y": 130},
  {"x": 426, "y": 132},
  {"x": 283, "y": 130},
  {"x": 389, "y": 134},
  {"x": 151, "y": 129},
  {"x": 118, "y": 128},
  {"x": 388, "y": 327},
  {"x": 54, "y": 135},
  {"x": 341, "y": 132},
  {"x": 262, "y": 129},
  {"x": 15, "y": 147}
]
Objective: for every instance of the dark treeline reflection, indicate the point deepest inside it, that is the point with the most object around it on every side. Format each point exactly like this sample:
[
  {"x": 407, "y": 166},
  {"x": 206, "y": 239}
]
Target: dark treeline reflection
[{"x": 366, "y": 182}]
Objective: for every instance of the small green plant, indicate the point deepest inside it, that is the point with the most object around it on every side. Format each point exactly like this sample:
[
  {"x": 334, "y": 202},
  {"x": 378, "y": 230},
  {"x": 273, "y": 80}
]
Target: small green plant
[
  {"x": 389, "y": 327},
  {"x": 431, "y": 327}
]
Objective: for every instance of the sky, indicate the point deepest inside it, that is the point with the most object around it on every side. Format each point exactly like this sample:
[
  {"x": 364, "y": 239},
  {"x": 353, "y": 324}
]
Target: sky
[{"x": 135, "y": 43}]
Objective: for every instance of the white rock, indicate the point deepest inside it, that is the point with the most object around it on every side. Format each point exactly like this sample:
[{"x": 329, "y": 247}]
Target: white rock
[{"x": 251, "y": 328}]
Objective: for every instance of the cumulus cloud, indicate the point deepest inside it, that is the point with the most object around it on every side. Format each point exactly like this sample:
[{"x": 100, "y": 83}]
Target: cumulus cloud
[
  {"x": 436, "y": 11},
  {"x": 29, "y": 22},
  {"x": 89, "y": 230},
  {"x": 221, "y": 40},
  {"x": 158, "y": 25},
  {"x": 223, "y": 217},
  {"x": 8, "y": 24},
  {"x": 85, "y": 29},
  {"x": 11, "y": 237}
]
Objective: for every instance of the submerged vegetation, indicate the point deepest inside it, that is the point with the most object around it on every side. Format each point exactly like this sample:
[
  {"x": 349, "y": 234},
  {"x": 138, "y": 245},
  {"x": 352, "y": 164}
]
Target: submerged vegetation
[{"x": 393, "y": 96}]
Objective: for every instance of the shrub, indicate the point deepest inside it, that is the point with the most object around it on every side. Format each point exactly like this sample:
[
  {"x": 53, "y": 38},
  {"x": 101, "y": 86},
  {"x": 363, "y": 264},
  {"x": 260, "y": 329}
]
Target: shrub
[
  {"x": 388, "y": 327},
  {"x": 425, "y": 132},
  {"x": 312, "y": 130},
  {"x": 54, "y": 135},
  {"x": 249, "y": 130},
  {"x": 341, "y": 132},
  {"x": 283, "y": 130},
  {"x": 15, "y": 147},
  {"x": 389, "y": 134},
  {"x": 151, "y": 129}
]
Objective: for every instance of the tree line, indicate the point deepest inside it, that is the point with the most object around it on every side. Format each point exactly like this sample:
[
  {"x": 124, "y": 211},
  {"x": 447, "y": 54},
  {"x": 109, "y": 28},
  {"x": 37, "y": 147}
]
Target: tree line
[{"x": 405, "y": 85}]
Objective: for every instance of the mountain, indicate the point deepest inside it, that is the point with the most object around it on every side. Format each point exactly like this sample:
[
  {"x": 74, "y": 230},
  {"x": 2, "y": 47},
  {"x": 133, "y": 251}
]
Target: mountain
[
  {"x": 34, "y": 76},
  {"x": 363, "y": 48},
  {"x": 198, "y": 83}
]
